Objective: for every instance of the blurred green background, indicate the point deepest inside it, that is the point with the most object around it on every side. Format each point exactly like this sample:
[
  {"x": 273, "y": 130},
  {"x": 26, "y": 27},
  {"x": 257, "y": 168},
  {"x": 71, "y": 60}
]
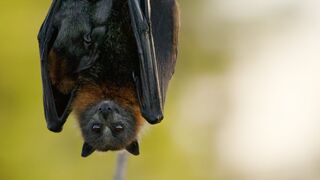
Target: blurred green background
[{"x": 30, "y": 151}]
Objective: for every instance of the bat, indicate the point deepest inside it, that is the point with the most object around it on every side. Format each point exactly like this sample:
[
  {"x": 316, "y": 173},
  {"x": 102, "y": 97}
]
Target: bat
[{"x": 109, "y": 61}]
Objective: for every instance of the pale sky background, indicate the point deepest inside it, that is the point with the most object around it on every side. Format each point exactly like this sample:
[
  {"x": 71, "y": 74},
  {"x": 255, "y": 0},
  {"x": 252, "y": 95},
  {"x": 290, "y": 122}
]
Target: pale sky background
[{"x": 266, "y": 107}]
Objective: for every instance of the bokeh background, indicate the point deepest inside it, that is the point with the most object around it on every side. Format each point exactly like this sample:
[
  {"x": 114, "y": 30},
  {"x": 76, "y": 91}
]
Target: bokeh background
[{"x": 244, "y": 103}]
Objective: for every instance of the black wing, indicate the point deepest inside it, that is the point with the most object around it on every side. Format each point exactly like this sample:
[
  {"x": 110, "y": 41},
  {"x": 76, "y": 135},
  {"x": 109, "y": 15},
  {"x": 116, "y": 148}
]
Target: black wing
[
  {"x": 56, "y": 104},
  {"x": 165, "y": 20},
  {"x": 155, "y": 24}
]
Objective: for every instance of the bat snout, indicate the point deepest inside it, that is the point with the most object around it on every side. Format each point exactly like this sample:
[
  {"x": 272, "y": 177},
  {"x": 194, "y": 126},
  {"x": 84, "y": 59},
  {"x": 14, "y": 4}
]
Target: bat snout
[{"x": 107, "y": 107}]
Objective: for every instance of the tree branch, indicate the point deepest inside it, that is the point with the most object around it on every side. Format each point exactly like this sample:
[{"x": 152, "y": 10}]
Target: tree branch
[{"x": 121, "y": 166}]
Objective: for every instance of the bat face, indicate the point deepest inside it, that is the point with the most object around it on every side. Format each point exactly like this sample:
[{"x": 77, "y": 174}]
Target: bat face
[
  {"x": 108, "y": 126},
  {"x": 109, "y": 117}
]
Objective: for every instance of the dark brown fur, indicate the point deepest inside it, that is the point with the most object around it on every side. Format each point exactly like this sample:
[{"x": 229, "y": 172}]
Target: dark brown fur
[{"x": 60, "y": 74}]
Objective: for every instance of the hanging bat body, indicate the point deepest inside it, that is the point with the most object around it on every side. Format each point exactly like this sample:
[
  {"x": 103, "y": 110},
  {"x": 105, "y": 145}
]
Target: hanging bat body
[{"x": 110, "y": 61}]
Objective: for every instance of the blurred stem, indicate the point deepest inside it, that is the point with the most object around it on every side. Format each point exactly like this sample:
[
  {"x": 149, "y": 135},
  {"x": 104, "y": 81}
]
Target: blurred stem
[{"x": 121, "y": 166}]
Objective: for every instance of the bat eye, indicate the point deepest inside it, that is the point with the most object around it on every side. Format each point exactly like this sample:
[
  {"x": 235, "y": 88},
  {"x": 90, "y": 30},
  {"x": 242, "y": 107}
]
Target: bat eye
[
  {"x": 117, "y": 128},
  {"x": 96, "y": 128}
]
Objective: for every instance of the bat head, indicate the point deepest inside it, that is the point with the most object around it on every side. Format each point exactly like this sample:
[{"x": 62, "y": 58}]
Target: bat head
[{"x": 108, "y": 126}]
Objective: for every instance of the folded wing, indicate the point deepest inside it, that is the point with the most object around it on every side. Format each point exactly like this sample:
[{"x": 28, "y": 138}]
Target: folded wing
[{"x": 155, "y": 24}]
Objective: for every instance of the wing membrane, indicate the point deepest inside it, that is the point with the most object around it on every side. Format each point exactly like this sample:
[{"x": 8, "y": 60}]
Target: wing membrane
[{"x": 155, "y": 25}]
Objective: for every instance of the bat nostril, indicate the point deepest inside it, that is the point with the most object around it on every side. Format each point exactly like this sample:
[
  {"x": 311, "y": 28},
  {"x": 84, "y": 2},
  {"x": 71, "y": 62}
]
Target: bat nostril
[{"x": 105, "y": 108}]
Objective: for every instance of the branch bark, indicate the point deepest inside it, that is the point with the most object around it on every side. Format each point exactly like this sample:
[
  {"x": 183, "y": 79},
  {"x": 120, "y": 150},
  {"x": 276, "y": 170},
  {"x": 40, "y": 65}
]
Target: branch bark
[{"x": 121, "y": 167}]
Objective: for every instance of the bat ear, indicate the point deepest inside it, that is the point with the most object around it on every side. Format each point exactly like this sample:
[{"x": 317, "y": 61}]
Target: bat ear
[
  {"x": 87, "y": 150},
  {"x": 133, "y": 148}
]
